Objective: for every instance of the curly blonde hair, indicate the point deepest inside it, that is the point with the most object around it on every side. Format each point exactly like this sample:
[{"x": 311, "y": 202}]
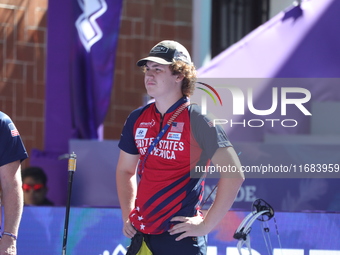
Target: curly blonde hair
[{"x": 189, "y": 73}]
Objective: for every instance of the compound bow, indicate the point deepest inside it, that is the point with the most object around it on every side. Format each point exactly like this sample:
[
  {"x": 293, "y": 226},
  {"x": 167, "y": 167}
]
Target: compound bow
[{"x": 262, "y": 211}]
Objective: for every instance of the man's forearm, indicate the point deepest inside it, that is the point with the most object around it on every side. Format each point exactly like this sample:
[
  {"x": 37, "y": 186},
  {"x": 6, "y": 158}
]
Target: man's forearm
[
  {"x": 225, "y": 196},
  {"x": 228, "y": 186},
  {"x": 12, "y": 200},
  {"x": 127, "y": 188}
]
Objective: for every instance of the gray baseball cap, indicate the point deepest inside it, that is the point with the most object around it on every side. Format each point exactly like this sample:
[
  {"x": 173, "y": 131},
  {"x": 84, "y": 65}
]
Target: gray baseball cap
[{"x": 165, "y": 52}]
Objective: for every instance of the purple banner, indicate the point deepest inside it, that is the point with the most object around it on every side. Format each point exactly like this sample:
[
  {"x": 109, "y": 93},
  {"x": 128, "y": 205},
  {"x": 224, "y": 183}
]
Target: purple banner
[
  {"x": 80, "y": 67},
  {"x": 93, "y": 55}
]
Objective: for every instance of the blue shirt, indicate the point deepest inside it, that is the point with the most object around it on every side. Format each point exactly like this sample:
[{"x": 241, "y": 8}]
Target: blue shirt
[{"x": 11, "y": 145}]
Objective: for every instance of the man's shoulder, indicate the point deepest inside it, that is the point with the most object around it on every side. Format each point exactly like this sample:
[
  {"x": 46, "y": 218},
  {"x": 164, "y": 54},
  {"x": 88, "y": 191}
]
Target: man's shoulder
[
  {"x": 5, "y": 121},
  {"x": 137, "y": 112},
  {"x": 196, "y": 114},
  {"x": 4, "y": 117}
]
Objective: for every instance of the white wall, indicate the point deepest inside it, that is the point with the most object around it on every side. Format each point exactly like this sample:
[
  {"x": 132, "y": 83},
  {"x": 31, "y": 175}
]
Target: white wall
[
  {"x": 277, "y": 6},
  {"x": 201, "y": 20},
  {"x": 202, "y": 27}
]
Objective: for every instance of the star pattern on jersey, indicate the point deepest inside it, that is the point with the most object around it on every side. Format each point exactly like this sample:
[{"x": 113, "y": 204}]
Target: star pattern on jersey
[
  {"x": 142, "y": 226},
  {"x": 140, "y": 218}
]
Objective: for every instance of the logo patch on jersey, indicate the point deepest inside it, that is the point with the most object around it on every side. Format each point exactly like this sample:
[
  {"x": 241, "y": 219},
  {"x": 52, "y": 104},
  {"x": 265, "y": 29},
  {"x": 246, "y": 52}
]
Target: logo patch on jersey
[
  {"x": 177, "y": 127},
  {"x": 147, "y": 124},
  {"x": 141, "y": 133},
  {"x": 14, "y": 131},
  {"x": 174, "y": 136}
]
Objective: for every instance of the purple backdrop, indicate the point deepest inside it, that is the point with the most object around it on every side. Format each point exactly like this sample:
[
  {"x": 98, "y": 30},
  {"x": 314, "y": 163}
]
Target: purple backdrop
[
  {"x": 300, "y": 48},
  {"x": 298, "y": 42}
]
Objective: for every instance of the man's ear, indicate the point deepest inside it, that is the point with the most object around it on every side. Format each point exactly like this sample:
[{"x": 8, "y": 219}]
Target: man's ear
[{"x": 179, "y": 78}]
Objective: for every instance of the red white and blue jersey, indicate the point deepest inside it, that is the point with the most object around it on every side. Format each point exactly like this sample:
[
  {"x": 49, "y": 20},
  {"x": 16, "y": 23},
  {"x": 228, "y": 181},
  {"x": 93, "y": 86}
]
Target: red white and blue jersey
[
  {"x": 166, "y": 188},
  {"x": 11, "y": 145}
]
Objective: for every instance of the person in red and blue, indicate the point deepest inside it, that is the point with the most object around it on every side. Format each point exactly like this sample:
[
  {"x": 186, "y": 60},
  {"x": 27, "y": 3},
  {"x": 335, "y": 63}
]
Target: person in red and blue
[{"x": 164, "y": 206}]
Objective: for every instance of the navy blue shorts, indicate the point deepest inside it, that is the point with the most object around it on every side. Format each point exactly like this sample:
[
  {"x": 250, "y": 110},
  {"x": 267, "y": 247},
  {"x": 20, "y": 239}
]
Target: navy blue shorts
[{"x": 165, "y": 244}]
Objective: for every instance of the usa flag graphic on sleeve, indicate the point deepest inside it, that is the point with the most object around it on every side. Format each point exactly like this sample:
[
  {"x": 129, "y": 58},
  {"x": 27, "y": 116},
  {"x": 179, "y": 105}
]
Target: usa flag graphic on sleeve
[{"x": 13, "y": 129}]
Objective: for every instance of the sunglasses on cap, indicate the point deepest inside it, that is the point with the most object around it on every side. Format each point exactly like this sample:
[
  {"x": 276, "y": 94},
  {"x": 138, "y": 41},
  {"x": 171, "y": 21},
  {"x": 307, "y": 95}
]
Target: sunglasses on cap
[{"x": 35, "y": 187}]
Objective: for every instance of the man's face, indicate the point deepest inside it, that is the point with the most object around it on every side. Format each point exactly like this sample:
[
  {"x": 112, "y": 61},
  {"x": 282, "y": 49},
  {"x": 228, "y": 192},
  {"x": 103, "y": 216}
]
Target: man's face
[
  {"x": 34, "y": 191},
  {"x": 159, "y": 81}
]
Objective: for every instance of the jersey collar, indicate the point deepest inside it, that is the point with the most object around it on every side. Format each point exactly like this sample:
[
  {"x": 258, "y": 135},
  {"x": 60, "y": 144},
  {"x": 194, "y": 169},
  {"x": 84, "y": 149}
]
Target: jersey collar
[{"x": 181, "y": 101}]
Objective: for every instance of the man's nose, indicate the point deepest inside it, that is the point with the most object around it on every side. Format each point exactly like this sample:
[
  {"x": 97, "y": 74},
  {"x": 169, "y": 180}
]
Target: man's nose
[{"x": 149, "y": 73}]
